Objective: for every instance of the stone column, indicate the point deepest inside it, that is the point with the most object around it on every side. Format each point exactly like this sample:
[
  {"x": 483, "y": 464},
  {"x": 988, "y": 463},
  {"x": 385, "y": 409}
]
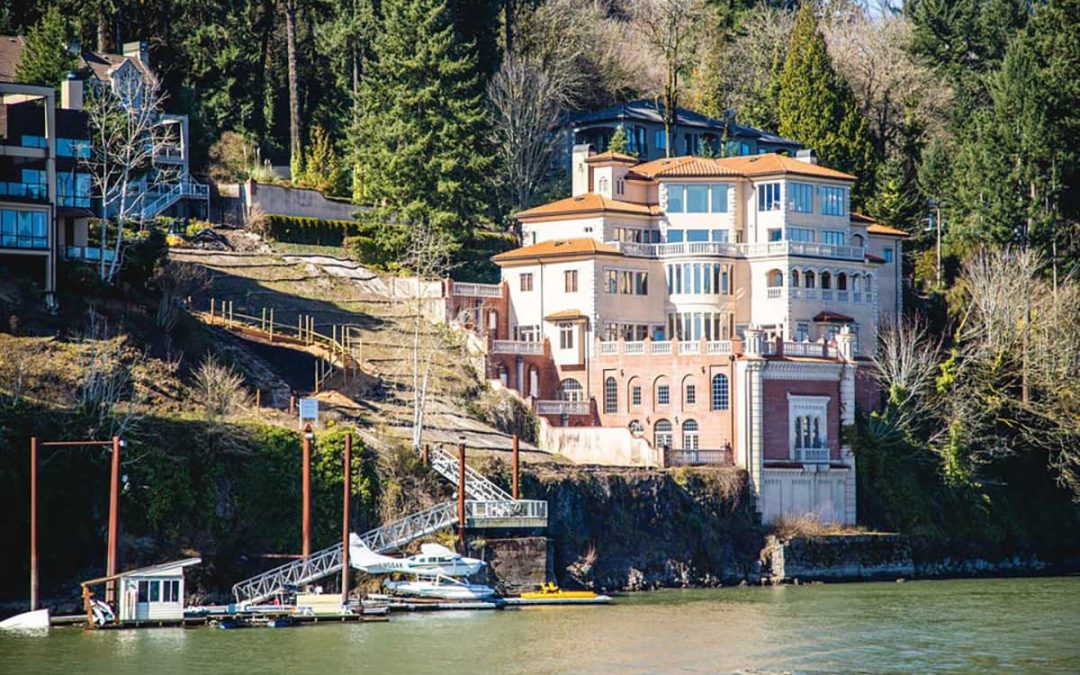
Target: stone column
[
  {"x": 845, "y": 344},
  {"x": 752, "y": 395}
]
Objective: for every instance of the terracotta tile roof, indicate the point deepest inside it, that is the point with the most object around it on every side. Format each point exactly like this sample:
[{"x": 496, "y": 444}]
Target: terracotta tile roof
[
  {"x": 747, "y": 166},
  {"x": 556, "y": 248},
  {"x": 833, "y": 317},
  {"x": 587, "y": 203},
  {"x": 874, "y": 227},
  {"x": 610, "y": 156},
  {"x": 885, "y": 230}
]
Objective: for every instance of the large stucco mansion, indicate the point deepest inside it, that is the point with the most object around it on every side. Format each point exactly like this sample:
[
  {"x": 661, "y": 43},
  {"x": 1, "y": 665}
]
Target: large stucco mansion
[{"x": 691, "y": 310}]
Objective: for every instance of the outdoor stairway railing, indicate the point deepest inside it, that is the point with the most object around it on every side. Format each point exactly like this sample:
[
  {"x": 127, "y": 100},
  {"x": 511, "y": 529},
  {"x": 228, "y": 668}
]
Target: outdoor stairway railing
[
  {"x": 389, "y": 537},
  {"x": 476, "y": 486}
]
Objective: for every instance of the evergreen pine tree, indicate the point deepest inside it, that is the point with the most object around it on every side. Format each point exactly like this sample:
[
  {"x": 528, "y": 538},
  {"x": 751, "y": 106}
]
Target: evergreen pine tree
[
  {"x": 46, "y": 60},
  {"x": 815, "y": 105},
  {"x": 321, "y": 167},
  {"x": 618, "y": 142},
  {"x": 896, "y": 202},
  {"x": 419, "y": 141}
]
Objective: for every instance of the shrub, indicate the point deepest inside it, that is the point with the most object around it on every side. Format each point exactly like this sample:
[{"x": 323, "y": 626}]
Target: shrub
[
  {"x": 295, "y": 230},
  {"x": 220, "y": 388}
]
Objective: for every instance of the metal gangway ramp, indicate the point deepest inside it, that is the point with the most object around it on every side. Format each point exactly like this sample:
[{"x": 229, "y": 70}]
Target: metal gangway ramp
[{"x": 487, "y": 505}]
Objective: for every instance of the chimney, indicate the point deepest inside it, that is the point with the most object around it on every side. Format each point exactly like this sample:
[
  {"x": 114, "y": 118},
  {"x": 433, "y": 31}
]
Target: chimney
[
  {"x": 580, "y": 179},
  {"x": 71, "y": 92},
  {"x": 806, "y": 155},
  {"x": 139, "y": 51}
]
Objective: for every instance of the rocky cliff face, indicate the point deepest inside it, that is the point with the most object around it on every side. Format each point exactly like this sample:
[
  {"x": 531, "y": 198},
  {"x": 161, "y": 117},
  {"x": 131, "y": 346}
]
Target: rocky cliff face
[{"x": 637, "y": 529}]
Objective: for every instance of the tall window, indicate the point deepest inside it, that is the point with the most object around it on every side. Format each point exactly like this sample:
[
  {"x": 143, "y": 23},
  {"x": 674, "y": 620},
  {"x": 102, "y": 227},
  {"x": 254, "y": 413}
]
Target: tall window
[
  {"x": 603, "y": 185},
  {"x": 566, "y": 336},
  {"x": 662, "y": 434},
  {"x": 690, "y": 435},
  {"x": 635, "y": 395},
  {"x": 833, "y": 238},
  {"x": 801, "y": 197},
  {"x": 804, "y": 234},
  {"x": 768, "y": 198},
  {"x": 719, "y": 198},
  {"x": 660, "y": 139},
  {"x": 888, "y": 255},
  {"x": 570, "y": 281},
  {"x": 611, "y": 396},
  {"x": 24, "y": 229},
  {"x": 697, "y": 198},
  {"x": 691, "y": 394},
  {"x": 675, "y": 202},
  {"x": 834, "y": 201},
  {"x": 663, "y": 394},
  {"x": 527, "y": 281},
  {"x": 720, "y": 392},
  {"x": 620, "y": 186}
]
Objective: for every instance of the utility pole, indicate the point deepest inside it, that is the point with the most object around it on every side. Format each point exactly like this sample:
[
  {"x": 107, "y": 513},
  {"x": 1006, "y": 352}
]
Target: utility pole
[
  {"x": 345, "y": 521},
  {"x": 514, "y": 441},
  {"x": 307, "y": 493},
  {"x": 33, "y": 525},
  {"x": 461, "y": 497},
  {"x": 114, "y": 498}
]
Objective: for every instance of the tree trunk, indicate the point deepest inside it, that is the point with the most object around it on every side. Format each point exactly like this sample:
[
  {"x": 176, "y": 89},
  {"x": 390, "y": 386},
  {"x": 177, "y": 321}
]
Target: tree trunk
[
  {"x": 294, "y": 96},
  {"x": 102, "y": 28},
  {"x": 508, "y": 19}
]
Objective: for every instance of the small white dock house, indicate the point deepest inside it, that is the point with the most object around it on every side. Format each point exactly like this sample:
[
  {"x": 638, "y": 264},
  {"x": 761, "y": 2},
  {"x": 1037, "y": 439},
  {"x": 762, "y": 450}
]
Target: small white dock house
[{"x": 154, "y": 593}]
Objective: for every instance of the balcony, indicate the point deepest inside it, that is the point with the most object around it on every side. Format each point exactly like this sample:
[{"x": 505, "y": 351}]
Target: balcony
[
  {"x": 699, "y": 457},
  {"x": 664, "y": 347},
  {"x": 716, "y": 248},
  {"x": 812, "y": 349},
  {"x": 812, "y": 455},
  {"x": 563, "y": 408},
  {"x": 170, "y": 153},
  {"x": 477, "y": 290},
  {"x": 89, "y": 253},
  {"x": 517, "y": 347}
]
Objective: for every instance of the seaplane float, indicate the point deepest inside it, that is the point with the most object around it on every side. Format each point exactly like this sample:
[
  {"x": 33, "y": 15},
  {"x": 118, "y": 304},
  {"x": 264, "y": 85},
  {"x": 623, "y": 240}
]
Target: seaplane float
[{"x": 436, "y": 571}]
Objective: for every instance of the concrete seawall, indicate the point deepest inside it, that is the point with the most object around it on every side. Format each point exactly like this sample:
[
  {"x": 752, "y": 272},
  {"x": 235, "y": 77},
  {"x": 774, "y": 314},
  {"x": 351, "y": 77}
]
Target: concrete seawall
[{"x": 857, "y": 557}]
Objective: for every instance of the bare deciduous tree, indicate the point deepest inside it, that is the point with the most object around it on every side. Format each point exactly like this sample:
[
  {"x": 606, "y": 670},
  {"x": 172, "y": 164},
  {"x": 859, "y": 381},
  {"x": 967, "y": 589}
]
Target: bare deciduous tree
[
  {"x": 905, "y": 365},
  {"x": 107, "y": 395},
  {"x": 525, "y": 107},
  {"x": 671, "y": 29},
  {"x": 126, "y": 134}
]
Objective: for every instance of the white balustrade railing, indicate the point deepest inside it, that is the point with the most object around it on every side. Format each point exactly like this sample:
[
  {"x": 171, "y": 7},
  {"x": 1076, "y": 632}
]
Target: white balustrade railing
[
  {"x": 812, "y": 455},
  {"x": 517, "y": 347},
  {"x": 774, "y": 292},
  {"x": 739, "y": 250},
  {"x": 633, "y": 348},
  {"x": 562, "y": 408},
  {"x": 609, "y": 348},
  {"x": 660, "y": 347},
  {"x": 804, "y": 349},
  {"x": 690, "y": 347},
  {"x": 718, "y": 347}
]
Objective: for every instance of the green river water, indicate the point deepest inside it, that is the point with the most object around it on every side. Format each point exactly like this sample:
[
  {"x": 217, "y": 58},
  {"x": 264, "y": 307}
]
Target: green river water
[{"x": 984, "y": 625}]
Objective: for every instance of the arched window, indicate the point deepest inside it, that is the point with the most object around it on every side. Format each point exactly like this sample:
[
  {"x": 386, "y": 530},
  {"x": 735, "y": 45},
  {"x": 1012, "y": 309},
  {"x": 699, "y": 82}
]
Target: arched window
[
  {"x": 603, "y": 185},
  {"x": 504, "y": 375},
  {"x": 611, "y": 396},
  {"x": 856, "y": 283},
  {"x": 633, "y": 392},
  {"x": 826, "y": 280},
  {"x": 774, "y": 278},
  {"x": 570, "y": 390},
  {"x": 841, "y": 282},
  {"x": 534, "y": 382},
  {"x": 810, "y": 279},
  {"x": 795, "y": 278},
  {"x": 662, "y": 434},
  {"x": 637, "y": 428},
  {"x": 662, "y": 392},
  {"x": 690, "y": 435},
  {"x": 720, "y": 392},
  {"x": 856, "y": 240}
]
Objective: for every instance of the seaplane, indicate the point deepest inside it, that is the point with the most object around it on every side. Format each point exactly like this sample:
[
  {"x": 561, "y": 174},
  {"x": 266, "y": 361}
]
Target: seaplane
[
  {"x": 435, "y": 570},
  {"x": 433, "y": 560}
]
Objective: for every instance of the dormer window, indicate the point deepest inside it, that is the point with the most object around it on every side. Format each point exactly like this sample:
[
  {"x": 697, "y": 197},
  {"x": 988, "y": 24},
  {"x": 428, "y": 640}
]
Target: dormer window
[{"x": 603, "y": 185}]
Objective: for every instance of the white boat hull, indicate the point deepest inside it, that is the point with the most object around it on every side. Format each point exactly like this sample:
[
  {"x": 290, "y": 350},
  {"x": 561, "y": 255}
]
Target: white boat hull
[
  {"x": 428, "y": 589},
  {"x": 36, "y": 620}
]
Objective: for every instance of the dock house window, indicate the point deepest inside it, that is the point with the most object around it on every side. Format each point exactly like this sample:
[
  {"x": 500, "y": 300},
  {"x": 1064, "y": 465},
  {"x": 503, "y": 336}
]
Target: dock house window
[{"x": 720, "y": 392}]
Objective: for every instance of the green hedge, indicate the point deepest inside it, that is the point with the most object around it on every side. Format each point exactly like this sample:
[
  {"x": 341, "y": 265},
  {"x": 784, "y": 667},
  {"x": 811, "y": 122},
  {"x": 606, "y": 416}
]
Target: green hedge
[{"x": 295, "y": 230}]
